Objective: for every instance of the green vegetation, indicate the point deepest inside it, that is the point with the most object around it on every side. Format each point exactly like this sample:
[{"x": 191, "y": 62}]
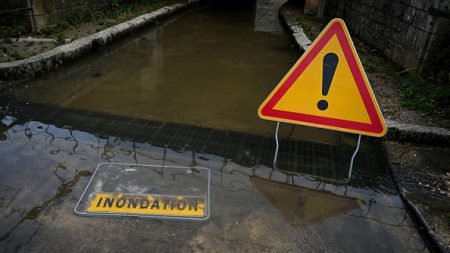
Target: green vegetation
[
  {"x": 415, "y": 92},
  {"x": 63, "y": 25},
  {"x": 116, "y": 11},
  {"x": 307, "y": 22},
  {"x": 427, "y": 98},
  {"x": 11, "y": 52},
  {"x": 48, "y": 31},
  {"x": 320, "y": 22},
  {"x": 369, "y": 66},
  {"x": 13, "y": 31},
  {"x": 78, "y": 25},
  {"x": 306, "y": 29},
  {"x": 60, "y": 39},
  {"x": 16, "y": 55}
]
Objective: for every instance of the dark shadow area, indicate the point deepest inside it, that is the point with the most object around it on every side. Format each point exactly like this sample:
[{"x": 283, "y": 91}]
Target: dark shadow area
[{"x": 327, "y": 162}]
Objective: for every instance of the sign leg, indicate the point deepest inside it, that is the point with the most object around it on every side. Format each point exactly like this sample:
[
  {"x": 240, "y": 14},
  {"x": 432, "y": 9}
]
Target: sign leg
[
  {"x": 353, "y": 158},
  {"x": 277, "y": 145}
]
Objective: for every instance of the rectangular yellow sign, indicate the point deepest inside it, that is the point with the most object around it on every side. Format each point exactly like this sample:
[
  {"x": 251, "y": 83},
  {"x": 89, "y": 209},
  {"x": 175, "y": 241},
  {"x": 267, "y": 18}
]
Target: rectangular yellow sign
[{"x": 148, "y": 204}]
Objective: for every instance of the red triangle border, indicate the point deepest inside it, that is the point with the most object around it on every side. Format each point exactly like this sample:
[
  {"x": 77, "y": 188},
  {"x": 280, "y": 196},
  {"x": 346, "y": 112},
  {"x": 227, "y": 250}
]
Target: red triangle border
[{"x": 337, "y": 29}]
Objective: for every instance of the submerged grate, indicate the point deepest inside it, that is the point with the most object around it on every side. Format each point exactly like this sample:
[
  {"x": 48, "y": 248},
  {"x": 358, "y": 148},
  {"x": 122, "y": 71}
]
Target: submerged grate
[{"x": 296, "y": 156}]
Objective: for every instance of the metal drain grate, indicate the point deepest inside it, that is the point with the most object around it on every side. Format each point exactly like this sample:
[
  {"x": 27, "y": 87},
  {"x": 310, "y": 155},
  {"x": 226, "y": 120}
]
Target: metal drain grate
[{"x": 295, "y": 156}]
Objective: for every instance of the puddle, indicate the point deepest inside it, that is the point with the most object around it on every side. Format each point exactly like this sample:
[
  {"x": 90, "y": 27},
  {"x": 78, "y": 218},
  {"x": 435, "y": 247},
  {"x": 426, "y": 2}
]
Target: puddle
[
  {"x": 301, "y": 206},
  {"x": 148, "y": 100}
]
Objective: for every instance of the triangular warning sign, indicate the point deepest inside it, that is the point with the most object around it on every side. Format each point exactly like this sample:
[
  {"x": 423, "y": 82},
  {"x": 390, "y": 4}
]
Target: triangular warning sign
[{"x": 327, "y": 88}]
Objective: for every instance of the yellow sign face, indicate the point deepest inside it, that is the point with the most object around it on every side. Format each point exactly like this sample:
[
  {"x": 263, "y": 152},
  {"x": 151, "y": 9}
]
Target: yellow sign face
[
  {"x": 327, "y": 88},
  {"x": 154, "y": 205}
]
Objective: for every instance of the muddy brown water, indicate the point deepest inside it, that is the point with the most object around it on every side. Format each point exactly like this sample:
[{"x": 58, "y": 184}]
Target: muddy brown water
[
  {"x": 185, "y": 92},
  {"x": 193, "y": 69}
]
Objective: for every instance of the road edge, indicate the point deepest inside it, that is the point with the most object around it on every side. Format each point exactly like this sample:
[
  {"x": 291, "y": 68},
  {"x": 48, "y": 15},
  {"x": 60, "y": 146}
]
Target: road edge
[{"x": 427, "y": 234}]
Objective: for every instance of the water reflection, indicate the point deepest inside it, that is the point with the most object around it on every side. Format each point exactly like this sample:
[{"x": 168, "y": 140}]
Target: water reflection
[
  {"x": 301, "y": 206},
  {"x": 207, "y": 62},
  {"x": 329, "y": 162},
  {"x": 46, "y": 165}
]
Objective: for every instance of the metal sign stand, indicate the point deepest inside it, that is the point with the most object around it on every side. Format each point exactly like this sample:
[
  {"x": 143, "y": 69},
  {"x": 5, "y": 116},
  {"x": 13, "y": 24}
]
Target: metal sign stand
[
  {"x": 276, "y": 149},
  {"x": 353, "y": 158},
  {"x": 351, "y": 161}
]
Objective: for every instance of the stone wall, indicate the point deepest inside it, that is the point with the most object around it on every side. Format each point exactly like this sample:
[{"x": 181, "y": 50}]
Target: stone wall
[
  {"x": 15, "y": 11},
  {"x": 50, "y": 12},
  {"x": 37, "y": 14},
  {"x": 411, "y": 33}
]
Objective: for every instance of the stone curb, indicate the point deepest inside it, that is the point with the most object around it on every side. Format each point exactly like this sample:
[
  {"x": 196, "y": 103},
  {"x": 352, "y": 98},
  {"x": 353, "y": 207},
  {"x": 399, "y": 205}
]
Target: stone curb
[
  {"x": 396, "y": 130},
  {"x": 424, "y": 227},
  {"x": 433, "y": 243},
  {"x": 49, "y": 60},
  {"x": 417, "y": 133},
  {"x": 297, "y": 32}
]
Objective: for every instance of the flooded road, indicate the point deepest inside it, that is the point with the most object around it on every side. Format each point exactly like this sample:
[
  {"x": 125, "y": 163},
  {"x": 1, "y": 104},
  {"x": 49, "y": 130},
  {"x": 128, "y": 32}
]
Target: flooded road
[
  {"x": 185, "y": 93},
  {"x": 207, "y": 62}
]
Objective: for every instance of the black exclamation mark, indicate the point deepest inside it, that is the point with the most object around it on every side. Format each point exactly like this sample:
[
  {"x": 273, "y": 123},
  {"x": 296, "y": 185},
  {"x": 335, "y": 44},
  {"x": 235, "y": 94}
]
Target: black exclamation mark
[{"x": 330, "y": 62}]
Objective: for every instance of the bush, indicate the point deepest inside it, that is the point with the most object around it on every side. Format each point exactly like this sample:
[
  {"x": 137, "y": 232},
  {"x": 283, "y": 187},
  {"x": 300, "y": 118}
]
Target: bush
[
  {"x": 63, "y": 25},
  {"x": 428, "y": 98},
  {"x": 13, "y": 31},
  {"x": 60, "y": 39}
]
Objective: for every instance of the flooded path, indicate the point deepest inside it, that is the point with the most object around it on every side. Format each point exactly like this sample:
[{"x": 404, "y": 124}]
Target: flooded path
[
  {"x": 206, "y": 68},
  {"x": 185, "y": 93}
]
